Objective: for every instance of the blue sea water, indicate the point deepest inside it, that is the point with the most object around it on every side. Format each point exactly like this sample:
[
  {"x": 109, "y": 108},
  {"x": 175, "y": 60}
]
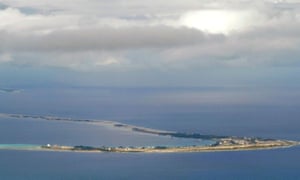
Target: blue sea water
[
  {"x": 270, "y": 164},
  {"x": 185, "y": 110},
  {"x": 17, "y": 131}
]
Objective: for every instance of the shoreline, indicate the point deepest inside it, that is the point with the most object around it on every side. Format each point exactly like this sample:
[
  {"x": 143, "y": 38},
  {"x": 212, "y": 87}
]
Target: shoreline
[
  {"x": 162, "y": 149},
  {"x": 117, "y": 125},
  {"x": 219, "y": 143},
  {"x": 184, "y": 149}
]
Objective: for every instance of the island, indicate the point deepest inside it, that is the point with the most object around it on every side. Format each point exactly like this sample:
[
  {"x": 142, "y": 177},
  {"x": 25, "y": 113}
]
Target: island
[
  {"x": 9, "y": 90},
  {"x": 219, "y": 142},
  {"x": 229, "y": 144}
]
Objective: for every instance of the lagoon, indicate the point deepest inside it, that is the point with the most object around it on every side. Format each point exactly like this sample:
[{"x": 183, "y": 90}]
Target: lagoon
[{"x": 132, "y": 106}]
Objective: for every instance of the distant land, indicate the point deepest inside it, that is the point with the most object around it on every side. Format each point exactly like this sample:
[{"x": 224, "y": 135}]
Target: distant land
[
  {"x": 219, "y": 143},
  {"x": 9, "y": 90}
]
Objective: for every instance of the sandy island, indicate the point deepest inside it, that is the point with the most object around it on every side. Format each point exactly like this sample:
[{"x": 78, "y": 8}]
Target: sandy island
[
  {"x": 221, "y": 143},
  {"x": 262, "y": 144}
]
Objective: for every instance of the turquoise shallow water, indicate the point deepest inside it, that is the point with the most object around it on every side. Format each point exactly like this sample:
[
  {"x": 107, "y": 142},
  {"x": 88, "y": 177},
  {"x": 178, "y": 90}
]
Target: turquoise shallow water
[
  {"x": 133, "y": 107},
  {"x": 19, "y": 146}
]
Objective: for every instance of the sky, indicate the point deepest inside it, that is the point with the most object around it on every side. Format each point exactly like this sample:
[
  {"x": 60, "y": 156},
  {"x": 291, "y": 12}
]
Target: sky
[{"x": 150, "y": 43}]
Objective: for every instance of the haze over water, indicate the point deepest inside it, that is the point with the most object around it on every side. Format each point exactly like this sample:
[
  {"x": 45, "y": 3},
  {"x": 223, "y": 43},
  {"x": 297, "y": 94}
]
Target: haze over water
[
  {"x": 131, "y": 107},
  {"x": 226, "y": 67}
]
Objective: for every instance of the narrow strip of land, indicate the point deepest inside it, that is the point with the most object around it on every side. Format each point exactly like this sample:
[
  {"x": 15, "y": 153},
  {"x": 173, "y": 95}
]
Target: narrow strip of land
[
  {"x": 153, "y": 149},
  {"x": 220, "y": 143}
]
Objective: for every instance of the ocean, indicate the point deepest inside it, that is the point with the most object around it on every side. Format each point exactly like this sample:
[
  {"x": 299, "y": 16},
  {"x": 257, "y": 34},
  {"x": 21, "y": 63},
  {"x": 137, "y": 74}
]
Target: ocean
[{"x": 213, "y": 110}]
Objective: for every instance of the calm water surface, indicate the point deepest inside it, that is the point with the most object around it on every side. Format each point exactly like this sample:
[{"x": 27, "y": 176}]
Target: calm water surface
[{"x": 154, "y": 108}]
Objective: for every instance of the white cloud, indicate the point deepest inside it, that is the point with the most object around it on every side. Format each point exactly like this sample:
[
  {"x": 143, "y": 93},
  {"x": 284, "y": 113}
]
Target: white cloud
[
  {"x": 98, "y": 34},
  {"x": 107, "y": 62}
]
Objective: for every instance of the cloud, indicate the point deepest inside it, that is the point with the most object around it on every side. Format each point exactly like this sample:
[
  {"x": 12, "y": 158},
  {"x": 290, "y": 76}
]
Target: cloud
[
  {"x": 139, "y": 34},
  {"x": 23, "y": 32},
  {"x": 102, "y": 39}
]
